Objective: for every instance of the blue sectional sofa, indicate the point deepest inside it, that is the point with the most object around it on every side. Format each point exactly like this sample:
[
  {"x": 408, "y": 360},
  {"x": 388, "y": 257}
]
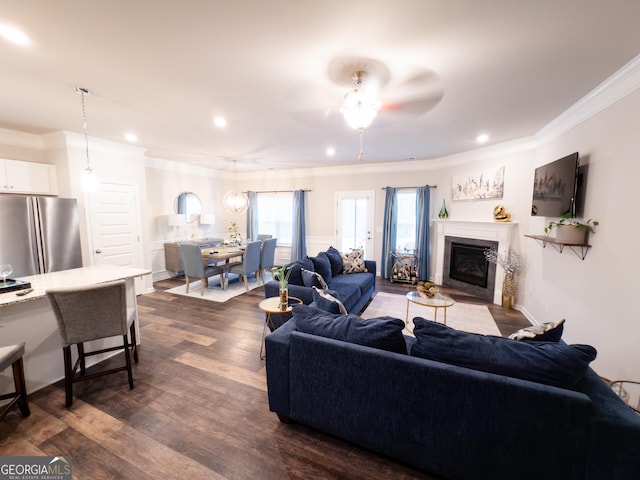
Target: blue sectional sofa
[
  {"x": 445, "y": 419},
  {"x": 354, "y": 290}
]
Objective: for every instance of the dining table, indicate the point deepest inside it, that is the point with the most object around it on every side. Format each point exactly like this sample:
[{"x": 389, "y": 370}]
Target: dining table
[{"x": 225, "y": 255}]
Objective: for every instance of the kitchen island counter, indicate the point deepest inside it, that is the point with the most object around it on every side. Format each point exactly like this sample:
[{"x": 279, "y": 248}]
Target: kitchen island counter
[{"x": 30, "y": 319}]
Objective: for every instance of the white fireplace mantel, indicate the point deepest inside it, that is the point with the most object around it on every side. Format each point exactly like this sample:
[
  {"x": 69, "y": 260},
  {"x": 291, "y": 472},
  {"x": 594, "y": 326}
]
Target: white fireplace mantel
[{"x": 494, "y": 231}]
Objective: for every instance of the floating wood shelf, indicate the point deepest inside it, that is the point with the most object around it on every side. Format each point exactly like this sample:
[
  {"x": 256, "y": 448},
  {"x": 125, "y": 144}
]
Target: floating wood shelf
[{"x": 579, "y": 249}]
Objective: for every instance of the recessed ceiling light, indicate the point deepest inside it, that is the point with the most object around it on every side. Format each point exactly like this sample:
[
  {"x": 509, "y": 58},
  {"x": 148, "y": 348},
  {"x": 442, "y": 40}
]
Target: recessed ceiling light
[
  {"x": 131, "y": 137},
  {"x": 330, "y": 151},
  {"x": 14, "y": 35},
  {"x": 220, "y": 122},
  {"x": 483, "y": 137}
]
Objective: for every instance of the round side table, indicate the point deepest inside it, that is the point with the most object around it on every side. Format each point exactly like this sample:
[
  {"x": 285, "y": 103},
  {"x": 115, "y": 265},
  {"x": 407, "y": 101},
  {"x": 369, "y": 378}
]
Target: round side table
[{"x": 271, "y": 306}]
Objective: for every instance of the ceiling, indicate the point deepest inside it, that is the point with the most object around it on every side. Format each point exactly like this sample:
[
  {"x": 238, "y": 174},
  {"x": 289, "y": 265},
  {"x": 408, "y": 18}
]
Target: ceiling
[{"x": 277, "y": 70}]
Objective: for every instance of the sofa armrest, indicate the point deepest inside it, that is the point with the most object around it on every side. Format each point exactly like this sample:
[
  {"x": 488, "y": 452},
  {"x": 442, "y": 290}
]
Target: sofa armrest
[
  {"x": 371, "y": 266},
  {"x": 272, "y": 289},
  {"x": 277, "y": 352}
]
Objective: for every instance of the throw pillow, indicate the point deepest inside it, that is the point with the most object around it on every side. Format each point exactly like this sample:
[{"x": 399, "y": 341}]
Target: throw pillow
[
  {"x": 335, "y": 257},
  {"x": 328, "y": 301},
  {"x": 554, "y": 364},
  {"x": 312, "y": 279},
  {"x": 545, "y": 332},
  {"x": 384, "y": 333},
  {"x": 295, "y": 277},
  {"x": 353, "y": 262},
  {"x": 322, "y": 265}
]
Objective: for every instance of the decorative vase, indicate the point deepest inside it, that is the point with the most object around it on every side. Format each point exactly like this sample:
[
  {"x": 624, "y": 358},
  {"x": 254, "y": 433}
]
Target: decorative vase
[
  {"x": 443, "y": 211},
  {"x": 284, "y": 298},
  {"x": 508, "y": 290}
]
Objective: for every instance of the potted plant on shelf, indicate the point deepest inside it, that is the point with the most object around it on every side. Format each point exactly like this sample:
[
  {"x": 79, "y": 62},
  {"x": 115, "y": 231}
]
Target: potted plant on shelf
[{"x": 570, "y": 231}]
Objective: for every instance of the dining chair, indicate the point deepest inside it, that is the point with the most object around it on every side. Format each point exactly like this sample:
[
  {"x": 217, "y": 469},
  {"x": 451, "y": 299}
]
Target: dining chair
[
  {"x": 267, "y": 256},
  {"x": 11, "y": 355},
  {"x": 93, "y": 312},
  {"x": 250, "y": 262},
  {"x": 195, "y": 268},
  {"x": 264, "y": 236}
]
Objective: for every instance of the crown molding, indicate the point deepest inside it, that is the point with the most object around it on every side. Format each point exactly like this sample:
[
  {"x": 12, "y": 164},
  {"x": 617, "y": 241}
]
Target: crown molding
[
  {"x": 15, "y": 138},
  {"x": 77, "y": 140},
  {"x": 178, "y": 167},
  {"x": 617, "y": 86}
]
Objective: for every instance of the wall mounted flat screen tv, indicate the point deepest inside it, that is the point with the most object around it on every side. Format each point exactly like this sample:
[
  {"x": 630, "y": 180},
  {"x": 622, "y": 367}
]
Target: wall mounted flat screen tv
[{"x": 555, "y": 188}]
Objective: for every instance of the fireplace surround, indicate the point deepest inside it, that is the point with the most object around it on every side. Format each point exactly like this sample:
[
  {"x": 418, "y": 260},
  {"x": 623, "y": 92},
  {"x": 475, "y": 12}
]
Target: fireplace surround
[
  {"x": 499, "y": 232},
  {"x": 466, "y": 268}
]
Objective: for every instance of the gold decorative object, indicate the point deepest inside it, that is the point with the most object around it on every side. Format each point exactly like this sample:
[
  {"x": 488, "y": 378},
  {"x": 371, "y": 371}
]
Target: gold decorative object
[
  {"x": 500, "y": 214},
  {"x": 427, "y": 289}
]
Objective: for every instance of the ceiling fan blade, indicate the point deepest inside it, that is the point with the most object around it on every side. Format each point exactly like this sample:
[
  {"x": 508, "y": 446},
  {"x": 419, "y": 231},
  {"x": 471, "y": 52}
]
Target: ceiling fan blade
[{"x": 414, "y": 96}]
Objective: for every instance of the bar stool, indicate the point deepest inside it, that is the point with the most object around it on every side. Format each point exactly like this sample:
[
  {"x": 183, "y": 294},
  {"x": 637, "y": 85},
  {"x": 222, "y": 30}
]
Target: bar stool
[
  {"x": 12, "y": 355},
  {"x": 91, "y": 313}
]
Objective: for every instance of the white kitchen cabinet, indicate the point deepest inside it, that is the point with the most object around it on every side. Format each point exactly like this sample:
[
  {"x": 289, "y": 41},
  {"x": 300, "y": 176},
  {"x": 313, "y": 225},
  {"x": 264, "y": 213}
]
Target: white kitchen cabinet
[{"x": 27, "y": 177}]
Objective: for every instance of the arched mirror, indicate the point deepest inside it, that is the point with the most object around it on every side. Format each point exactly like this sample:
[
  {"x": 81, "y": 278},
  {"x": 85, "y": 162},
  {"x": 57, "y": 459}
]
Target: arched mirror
[{"x": 188, "y": 204}]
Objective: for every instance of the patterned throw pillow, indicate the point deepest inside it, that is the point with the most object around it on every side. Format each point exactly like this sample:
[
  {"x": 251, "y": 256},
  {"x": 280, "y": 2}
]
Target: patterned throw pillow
[
  {"x": 353, "y": 262},
  {"x": 328, "y": 301},
  {"x": 545, "y": 332},
  {"x": 313, "y": 279}
]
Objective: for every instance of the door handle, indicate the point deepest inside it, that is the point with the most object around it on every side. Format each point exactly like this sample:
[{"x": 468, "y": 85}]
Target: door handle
[{"x": 98, "y": 250}]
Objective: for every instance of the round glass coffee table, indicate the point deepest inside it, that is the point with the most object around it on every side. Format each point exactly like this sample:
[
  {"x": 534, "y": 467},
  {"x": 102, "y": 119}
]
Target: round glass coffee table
[{"x": 437, "y": 301}]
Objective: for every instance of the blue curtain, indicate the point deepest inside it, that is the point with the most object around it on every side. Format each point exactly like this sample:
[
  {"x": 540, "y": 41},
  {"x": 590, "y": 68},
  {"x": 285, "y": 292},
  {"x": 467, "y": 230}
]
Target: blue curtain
[
  {"x": 299, "y": 242},
  {"x": 252, "y": 216},
  {"x": 422, "y": 230},
  {"x": 389, "y": 232}
]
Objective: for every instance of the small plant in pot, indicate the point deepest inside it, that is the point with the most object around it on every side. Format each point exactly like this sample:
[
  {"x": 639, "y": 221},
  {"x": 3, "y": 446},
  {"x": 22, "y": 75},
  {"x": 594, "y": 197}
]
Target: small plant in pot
[{"x": 570, "y": 231}]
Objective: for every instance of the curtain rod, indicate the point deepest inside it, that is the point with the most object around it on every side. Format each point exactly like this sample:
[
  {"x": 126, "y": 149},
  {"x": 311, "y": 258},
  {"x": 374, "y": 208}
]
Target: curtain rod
[
  {"x": 430, "y": 186},
  {"x": 276, "y": 191}
]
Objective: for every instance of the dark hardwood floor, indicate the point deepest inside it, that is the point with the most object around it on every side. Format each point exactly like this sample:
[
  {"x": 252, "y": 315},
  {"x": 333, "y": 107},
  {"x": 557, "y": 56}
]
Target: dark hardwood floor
[{"x": 199, "y": 408}]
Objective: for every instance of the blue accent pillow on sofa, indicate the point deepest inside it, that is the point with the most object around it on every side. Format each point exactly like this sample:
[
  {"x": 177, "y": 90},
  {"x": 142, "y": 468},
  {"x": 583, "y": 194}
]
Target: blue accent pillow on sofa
[
  {"x": 554, "y": 364},
  {"x": 335, "y": 258},
  {"x": 295, "y": 277},
  {"x": 384, "y": 333},
  {"x": 322, "y": 265}
]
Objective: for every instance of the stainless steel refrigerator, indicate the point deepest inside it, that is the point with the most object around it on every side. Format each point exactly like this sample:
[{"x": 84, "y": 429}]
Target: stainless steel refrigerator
[{"x": 39, "y": 234}]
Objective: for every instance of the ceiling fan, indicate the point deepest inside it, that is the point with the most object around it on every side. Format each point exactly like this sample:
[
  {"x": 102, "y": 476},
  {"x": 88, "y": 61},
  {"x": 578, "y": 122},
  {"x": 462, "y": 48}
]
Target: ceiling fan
[{"x": 373, "y": 92}]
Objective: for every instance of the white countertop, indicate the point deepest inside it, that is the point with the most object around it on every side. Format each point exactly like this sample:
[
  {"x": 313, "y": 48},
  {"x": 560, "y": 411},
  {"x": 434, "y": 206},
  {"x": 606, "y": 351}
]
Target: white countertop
[{"x": 75, "y": 277}]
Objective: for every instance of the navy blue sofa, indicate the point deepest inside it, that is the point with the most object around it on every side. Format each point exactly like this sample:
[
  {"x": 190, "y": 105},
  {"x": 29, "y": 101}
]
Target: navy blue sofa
[
  {"x": 448, "y": 420},
  {"x": 354, "y": 290}
]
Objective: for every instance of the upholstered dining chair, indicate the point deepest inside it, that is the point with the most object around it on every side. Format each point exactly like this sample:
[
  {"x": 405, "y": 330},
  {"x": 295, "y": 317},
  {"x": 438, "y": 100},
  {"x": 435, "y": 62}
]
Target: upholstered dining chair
[
  {"x": 250, "y": 263},
  {"x": 195, "y": 268},
  {"x": 267, "y": 256},
  {"x": 88, "y": 313},
  {"x": 11, "y": 355}
]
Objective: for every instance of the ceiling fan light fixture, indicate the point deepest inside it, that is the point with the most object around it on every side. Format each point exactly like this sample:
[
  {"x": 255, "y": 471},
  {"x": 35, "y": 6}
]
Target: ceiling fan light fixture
[{"x": 358, "y": 109}]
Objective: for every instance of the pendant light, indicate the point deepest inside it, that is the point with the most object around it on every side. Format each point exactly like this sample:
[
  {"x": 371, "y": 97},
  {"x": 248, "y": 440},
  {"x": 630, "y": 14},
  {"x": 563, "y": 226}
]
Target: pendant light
[
  {"x": 89, "y": 179},
  {"x": 235, "y": 202}
]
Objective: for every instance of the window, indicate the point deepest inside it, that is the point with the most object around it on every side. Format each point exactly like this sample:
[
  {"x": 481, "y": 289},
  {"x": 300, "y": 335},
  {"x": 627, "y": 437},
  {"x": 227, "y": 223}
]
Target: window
[
  {"x": 406, "y": 220},
  {"x": 275, "y": 216}
]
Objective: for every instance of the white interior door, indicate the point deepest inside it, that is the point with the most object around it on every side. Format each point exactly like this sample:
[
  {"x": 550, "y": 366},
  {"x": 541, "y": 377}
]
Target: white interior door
[
  {"x": 115, "y": 227},
  {"x": 354, "y": 221}
]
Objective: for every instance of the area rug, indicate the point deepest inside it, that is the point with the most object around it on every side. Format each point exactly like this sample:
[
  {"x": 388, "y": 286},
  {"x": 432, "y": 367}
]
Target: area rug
[
  {"x": 461, "y": 316},
  {"x": 214, "y": 293}
]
